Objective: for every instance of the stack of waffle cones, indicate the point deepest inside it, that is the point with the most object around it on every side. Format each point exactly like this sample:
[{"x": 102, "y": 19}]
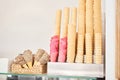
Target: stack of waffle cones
[
  {"x": 26, "y": 63},
  {"x": 86, "y": 46},
  {"x": 81, "y": 31},
  {"x": 98, "y": 56}
]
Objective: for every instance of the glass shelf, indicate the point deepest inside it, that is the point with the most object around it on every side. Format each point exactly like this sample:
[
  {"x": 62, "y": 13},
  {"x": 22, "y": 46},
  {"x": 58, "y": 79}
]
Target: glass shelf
[{"x": 51, "y": 76}]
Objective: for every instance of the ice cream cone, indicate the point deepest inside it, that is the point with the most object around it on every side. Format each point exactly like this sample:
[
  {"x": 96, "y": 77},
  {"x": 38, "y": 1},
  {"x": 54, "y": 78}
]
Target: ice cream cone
[
  {"x": 25, "y": 66},
  {"x": 20, "y": 60},
  {"x": 38, "y": 55},
  {"x": 44, "y": 59},
  {"x": 28, "y": 57},
  {"x": 29, "y": 64}
]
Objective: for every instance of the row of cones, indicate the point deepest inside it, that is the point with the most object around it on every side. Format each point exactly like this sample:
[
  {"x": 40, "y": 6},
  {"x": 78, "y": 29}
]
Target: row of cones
[
  {"x": 86, "y": 40},
  {"x": 30, "y": 63}
]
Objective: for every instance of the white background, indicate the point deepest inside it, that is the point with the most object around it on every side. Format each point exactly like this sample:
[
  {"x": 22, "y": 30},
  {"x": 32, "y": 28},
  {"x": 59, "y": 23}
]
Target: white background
[{"x": 28, "y": 24}]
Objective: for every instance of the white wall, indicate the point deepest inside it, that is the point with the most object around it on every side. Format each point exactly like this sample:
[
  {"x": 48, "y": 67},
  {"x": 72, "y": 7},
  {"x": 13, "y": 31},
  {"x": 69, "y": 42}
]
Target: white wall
[
  {"x": 110, "y": 39},
  {"x": 28, "y": 24}
]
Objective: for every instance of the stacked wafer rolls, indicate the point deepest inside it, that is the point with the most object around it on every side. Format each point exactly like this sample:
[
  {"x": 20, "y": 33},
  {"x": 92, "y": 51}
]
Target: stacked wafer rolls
[
  {"x": 81, "y": 31},
  {"x": 89, "y": 32},
  {"x": 54, "y": 45},
  {"x": 58, "y": 22},
  {"x": 63, "y": 41},
  {"x": 66, "y": 13},
  {"x": 84, "y": 46},
  {"x": 72, "y": 37},
  {"x": 97, "y": 32}
]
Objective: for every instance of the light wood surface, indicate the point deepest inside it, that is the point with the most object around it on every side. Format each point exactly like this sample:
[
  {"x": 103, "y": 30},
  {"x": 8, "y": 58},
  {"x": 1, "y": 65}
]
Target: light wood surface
[
  {"x": 117, "y": 39},
  {"x": 58, "y": 22}
]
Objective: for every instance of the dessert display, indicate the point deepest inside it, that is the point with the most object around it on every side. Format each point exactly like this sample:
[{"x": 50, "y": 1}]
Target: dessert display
[
  {"x": 28, "y": 63},
  {"x": 79, "y": 39},
  {"x": 78, "y": 49}
]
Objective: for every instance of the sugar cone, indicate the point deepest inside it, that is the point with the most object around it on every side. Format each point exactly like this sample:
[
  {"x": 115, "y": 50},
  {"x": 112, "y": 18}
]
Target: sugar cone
[
  {"x": 89, "y": 48},
  {"x": 29, "y": 64},
  {"x": 25, "y": 66},
  {"x": 71, "y": 43}
]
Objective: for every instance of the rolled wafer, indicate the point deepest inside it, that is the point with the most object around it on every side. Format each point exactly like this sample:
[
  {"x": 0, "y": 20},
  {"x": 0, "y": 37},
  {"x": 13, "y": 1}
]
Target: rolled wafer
[
  {"x": 74, "y": 16},
  {"x": 88, "y": 59},
  {"x": 89, "y": 32},
  {"x": 81, "y": 31},
  {"x": 89, "y": 16},
  {"x": 72, "y": 36},
  {"x": 80, "y": 49},
  {"x": 81, "y": 16},
  {"x": 58, "y": 22},
  {"x": 98, "y": 59},
  {"x": 97, "y": 31},
  {"x": 98, "y": 47},
  {"x": 28, "y": 57},
  {"x": 97, "y": 16},
  {"x": 71, "y": 43},
  {"x": 89, "y": 48},
  {"x": 38, "y": 55},
  {"x": 65, "y": 22}
]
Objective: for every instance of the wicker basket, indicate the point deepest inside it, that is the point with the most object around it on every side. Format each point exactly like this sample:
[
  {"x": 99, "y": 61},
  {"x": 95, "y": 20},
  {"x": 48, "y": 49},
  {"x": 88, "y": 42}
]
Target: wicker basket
[{"x": 38, "y": 69}]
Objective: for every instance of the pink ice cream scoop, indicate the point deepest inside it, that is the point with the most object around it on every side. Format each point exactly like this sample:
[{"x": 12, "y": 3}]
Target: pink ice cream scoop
[
  {"x": 63, "y": 50},
  {"x": 54, "y": 48}
]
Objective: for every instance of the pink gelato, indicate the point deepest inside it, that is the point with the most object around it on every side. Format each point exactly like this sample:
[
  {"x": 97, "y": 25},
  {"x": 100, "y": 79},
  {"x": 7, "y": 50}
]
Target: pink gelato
[
  {"x": 63, "y": 50},
  {"x": 54, "y": 48}
]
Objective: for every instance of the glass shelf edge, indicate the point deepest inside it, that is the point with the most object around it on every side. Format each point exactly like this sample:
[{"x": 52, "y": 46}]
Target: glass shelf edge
[{"x": 49, "y": 75}]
